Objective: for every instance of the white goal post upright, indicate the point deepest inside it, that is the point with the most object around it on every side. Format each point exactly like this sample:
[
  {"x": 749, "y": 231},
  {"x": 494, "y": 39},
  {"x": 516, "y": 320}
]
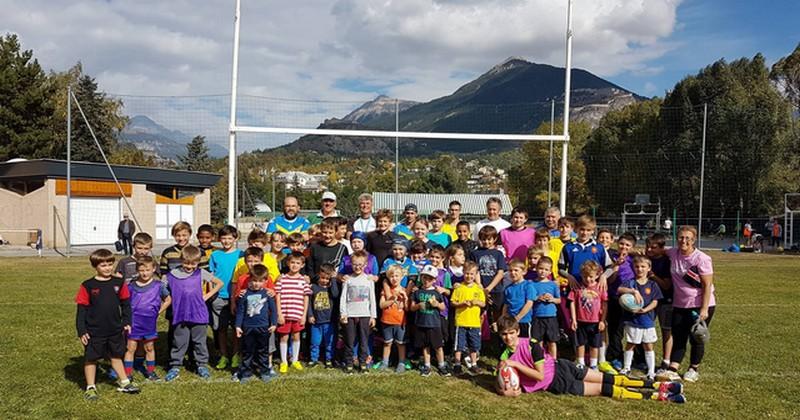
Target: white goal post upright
[{"x": 234, "y": 128}]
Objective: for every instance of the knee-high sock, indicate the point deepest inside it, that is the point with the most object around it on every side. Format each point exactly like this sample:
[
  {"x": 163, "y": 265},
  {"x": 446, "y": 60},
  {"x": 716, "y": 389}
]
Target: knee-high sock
[
  {"x": 284, "y": 350},
  {"x": 624, "y": 381},
  {"x": 628, "y": 359},
  {"x": 295, "y": 350},
  {"x": 602, "y": 353},
  {"x": 650, "y": 358}
]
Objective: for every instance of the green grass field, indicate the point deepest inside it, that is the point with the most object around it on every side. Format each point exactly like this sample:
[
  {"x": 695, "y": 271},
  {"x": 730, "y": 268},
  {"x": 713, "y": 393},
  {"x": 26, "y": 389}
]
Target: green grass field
[{"x": 750, "y": 369}]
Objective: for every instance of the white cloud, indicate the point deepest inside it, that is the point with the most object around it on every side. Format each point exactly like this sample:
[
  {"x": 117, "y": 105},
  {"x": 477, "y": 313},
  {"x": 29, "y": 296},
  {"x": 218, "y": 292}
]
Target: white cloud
[{"x": 301, "y": 49}]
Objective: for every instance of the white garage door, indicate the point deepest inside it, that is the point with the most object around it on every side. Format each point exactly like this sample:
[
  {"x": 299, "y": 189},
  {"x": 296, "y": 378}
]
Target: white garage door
[
  {"x": 94, "y": 221},
  {"x": 169, "y": 214}
]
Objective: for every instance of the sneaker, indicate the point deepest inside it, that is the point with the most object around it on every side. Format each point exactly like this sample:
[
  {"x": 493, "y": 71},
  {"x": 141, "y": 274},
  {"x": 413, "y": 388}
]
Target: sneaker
[
  {"x": 667, "y": 375},
  {"x": 172, "y": 374},
  {"x": 297, "y": 366},
  {"x": 408, "y": 364},
  {"x": 223, "y": 363},
  {"x": 236, "y": 360},
  {"x": 616, "y": 364},
  {"x": 266, "y": 377},
  {"x": 444, "y": 370},
  {"x": 235, "y": 377},
  {"x": 328, "y": 364},
  {"x": 312, "y": 364},
  {"x": 363, "y": 368},
  {"x": 691, "y": 375},
  {"x": 379, "y": 365},
  {"x": 152, "y": 377},
  {"x": 425, "y": 371},
  {"x": 468, "y": 362},
  {"x": 90, "y": 394},
  {"x": 458, "y": 370},
  {"x": 475, "y": 370},
  {"x": 625, "y": 372},
  {"x": 129, "y": 388},
  {"x": 676, "y": 398},
  {"x": 606, "y": 367},
  {"x": 401, "y": 368},
  {"x": 203, "y": 372},
  {"x": 284, "y": 368},
  {"x": 244, "y": 379},
  {"x": 349, "y": 370},
  {"x": 674, "y": 387}
]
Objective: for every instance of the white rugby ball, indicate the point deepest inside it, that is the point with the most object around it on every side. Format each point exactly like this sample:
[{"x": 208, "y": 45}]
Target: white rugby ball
[{"x": 507, "y": 378}]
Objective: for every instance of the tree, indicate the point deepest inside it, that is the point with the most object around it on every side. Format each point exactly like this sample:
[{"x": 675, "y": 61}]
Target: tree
[
  {"x": 528, "y": 180},
  {"x": 103, "y": 114},
  {"x": 26, "y": 109},
  {"x": 128, "y": 154},
  {"x": 196, "y": 157},
  {"x": 786, "y": 73}
]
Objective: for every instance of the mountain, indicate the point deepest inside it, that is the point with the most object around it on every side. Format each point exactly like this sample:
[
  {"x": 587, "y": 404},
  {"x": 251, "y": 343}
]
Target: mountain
[
  {"x": 151, "y": 137},
  {"x": 513, "y": 97},
  {"x": 378, "y": 107}
]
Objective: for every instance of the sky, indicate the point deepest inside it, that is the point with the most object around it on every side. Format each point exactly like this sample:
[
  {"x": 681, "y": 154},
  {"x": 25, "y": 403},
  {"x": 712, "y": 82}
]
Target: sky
[{"x": 348, "y": 51}]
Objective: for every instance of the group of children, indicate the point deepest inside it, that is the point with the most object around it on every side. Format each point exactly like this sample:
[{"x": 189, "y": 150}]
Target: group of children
[{"x": 328, "y": 298}]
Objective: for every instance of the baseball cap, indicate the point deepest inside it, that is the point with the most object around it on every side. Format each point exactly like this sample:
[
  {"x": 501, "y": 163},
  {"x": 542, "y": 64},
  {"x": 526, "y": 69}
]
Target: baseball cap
[
  {"x": 411, "y": 207},
  {"x": 400, "y": 242},
  {"x": 328, "y": 195},
  {"x": 429, "y": 270},
  {"x": 700, "y": 331}
]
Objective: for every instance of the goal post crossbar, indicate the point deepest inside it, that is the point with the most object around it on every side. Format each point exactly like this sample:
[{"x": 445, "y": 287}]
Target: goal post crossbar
[{"x": 400, "y": 134}]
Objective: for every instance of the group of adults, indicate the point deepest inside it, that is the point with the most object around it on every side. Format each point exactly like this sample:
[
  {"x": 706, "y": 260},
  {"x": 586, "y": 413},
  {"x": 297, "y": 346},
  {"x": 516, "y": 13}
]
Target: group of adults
[{"x": 691, "y": 269}]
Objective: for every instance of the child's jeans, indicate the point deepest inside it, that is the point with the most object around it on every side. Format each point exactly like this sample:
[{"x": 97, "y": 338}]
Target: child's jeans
[{"x": 322, "y": 335}]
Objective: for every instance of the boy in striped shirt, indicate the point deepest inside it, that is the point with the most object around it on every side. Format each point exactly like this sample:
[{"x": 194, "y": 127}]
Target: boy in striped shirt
[{"x": 291, "y": 300}]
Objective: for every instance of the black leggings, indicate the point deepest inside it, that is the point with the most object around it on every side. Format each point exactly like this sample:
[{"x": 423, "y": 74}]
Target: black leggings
[{"x": 682, "y": 321}]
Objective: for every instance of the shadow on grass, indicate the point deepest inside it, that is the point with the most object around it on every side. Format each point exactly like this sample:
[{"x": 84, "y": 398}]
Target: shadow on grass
[{"x": 73, "y": 371}]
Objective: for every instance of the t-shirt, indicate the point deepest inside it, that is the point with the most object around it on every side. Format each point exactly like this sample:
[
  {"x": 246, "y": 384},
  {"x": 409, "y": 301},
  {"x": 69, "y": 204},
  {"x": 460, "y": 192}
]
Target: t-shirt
[
  {"x": 531, "y": 354},
  {"x": 624, "y": 273},
  {"x": 440, "y": 238},
  {"x": 346, "y": 266},
  {"x": 324, "y": 254},
  {"x": 499, "y": 224},
  {"x": 242, "y": 283},
  {"x": 404, "y": 230},
  {"x": 468, "y": 317},
  {"x": 545, "y": 309},
  {"x": 427, "y": 316},
  {"x": 489, "y": 261},
  {"x": 222, "y": 264},
  {"x": 410, "y": 271},
  {"x": 517, "y": 242},
  {"x": 685, "y": 295},
  {"x": 171, "y": 258},
  {"x": 292, "y": 291},
  {"x": 104, "y": 307},
  {"x": 516, "y": 296},
  {"x": 268, "y": 261},
  {"x": 288, "y": 226},
  {"x": 256, "y": 309},
  {"x": 205, "y": 257},
  {"x": 394, "y": 314},
  {"x": 650, "y": 292},
  {"x": 575, "y": 254},
  {"x": 323, "y": 301},
  {"x": 359, "y": 224},
  {"x": 380, "y": 245},
  {"x": 358, "y": 298},
  {"x": 588, "y": 303},
  {"x": 661, "y": 268},
  {"x": 450, "y": 230},
  {"x": 556, "y": 246}
]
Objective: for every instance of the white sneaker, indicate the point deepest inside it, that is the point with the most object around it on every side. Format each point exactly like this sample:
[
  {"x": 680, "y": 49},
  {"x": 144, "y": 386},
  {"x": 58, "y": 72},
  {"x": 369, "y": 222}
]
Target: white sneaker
[
  {"x": 625, "y": 372},
  {"x": 468, "y": 362},
  {"x": 691, "y": 375}
]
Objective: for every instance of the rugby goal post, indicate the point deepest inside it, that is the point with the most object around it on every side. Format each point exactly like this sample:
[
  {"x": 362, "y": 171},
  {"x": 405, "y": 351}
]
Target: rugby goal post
[{"x": 396, "y": 134}]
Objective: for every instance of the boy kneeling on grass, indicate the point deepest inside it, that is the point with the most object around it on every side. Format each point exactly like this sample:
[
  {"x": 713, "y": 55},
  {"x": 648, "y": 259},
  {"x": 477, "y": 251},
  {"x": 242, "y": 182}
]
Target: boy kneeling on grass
[{"x": 538, "y": 371}]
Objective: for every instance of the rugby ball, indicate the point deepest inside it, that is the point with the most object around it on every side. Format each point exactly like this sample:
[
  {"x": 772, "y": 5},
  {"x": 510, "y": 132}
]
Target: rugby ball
[
  {"x": 628, "y": 302},
  {"x": 507, "y": 378}
]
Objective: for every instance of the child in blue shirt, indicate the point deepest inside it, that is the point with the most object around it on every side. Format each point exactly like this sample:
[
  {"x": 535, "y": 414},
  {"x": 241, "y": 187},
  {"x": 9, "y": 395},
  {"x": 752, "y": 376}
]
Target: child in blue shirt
[
  {"x": 324, "y": 298},
  {"x": 640, "y": 326},
  {"x": 222, "y": 265},
  {"x": 519, "y": 297},
  {"x": 256, "y": 320},
  {"x": 548, "y": 296},
  {"x": 492, "y": 267},
  {"x": 399, "y": 250}
]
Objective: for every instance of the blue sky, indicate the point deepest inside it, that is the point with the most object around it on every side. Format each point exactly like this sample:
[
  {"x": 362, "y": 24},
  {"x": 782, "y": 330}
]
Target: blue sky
[{"x": 708, "y": 30}]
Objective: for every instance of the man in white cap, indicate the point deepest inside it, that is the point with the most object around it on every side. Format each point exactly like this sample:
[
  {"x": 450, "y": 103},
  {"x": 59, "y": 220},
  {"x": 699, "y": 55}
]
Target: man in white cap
[{"x": 327, "y": 208}]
